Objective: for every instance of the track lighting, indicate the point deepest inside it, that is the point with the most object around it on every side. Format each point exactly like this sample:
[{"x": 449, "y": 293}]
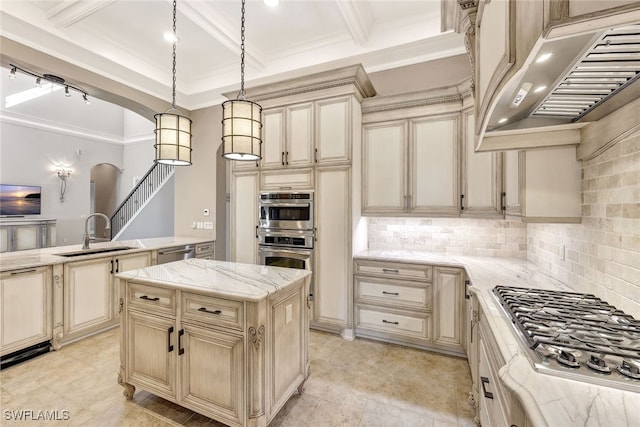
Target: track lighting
[{"x": 51, "y": 81}]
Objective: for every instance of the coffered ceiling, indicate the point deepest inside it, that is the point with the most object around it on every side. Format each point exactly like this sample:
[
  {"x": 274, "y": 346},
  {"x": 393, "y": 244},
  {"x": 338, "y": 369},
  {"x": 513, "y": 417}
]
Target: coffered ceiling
[{"x": 123, "y": 39}]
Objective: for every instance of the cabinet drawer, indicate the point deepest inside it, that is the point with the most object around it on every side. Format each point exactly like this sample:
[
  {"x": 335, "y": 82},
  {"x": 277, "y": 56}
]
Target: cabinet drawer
[
  {"x": 394, "y": 270},
  {"x": 395, "y": 322},
  {"x": 393, "y": 293},
  {"x": 151, "y": 298},
  {"x": 212, "y": 310},
  {"x": 204, "y": 248}
]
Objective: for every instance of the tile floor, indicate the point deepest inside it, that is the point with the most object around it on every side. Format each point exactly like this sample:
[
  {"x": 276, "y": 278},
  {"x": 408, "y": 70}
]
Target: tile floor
[{"x": 359, "y": 383}]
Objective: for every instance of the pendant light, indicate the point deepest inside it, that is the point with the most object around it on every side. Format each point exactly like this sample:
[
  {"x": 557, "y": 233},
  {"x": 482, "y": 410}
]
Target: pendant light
[
  {"x": 173, "y": 130},
  {"x": 241, "y": 120}
]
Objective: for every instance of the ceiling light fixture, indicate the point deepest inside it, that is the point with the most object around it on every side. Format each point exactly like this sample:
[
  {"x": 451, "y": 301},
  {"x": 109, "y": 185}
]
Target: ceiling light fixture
[
  {"x": 53, "y": 83},
  {"x": 271, "y": 3},
  {"x": 503, "y": 120},
  {"x": 86, "y": 100},
  {"x": 173, "y": 130},
  {"x": 170, "y": 37},
  {"x": 241, "y": 119},
  {"x": 539, "y": 89}
]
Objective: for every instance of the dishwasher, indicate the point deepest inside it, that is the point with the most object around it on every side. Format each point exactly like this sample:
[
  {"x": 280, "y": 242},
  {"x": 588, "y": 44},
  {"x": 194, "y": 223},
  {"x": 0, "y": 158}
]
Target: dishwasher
[{"x": 176, "y": 253}]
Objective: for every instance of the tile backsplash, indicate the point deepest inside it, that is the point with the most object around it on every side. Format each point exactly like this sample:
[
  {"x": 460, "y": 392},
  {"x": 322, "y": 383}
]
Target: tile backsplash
[
  {"x": 601, "y": 255},
  {"x": 459, "y": 236}
]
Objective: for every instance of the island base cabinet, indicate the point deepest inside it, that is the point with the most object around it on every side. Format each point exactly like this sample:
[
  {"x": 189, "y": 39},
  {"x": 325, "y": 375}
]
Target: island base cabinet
[
  {"x": 239, "y": 373},
  {"x": 25, "y": 304},
  {"x": 211, "y": 373}
]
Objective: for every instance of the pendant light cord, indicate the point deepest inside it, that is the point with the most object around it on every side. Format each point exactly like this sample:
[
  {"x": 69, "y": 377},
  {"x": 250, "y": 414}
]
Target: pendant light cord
[
  {"x": 241, "y": 94},
  {"x": 175, "y": 39}
]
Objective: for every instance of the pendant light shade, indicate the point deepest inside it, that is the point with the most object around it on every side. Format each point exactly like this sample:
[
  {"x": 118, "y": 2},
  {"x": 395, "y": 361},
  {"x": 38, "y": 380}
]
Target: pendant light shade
[
  {"x": 241, "y": 120},
  {"x": 173, "y": 139},
  {"x": 173, "y": 130},
  {"x": 241, "y": 130}
]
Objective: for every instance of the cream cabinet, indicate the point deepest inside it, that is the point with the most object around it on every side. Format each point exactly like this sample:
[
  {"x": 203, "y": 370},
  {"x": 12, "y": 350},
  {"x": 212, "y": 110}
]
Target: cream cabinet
[
  {"x": 287, "y": 136},
  {"x": 411, "y": 304},
  {"x": 448, "y": 302},
  {"x": 412, "y": 167},
  {"x": 333, "y": 130},
  {"x": 90, "y": 295},
  {"x": 244, "y": 217},
  {"x": 25, "y": 304},
  {"x": 331, "y": 276},
  {"x": 543, "y": 185},
  {"x": 23, "y": 234},
  {"x": 482, "y": 180},
  {"x": 472, "y": 343},
  {"x": 233, "y": 360},
  {"x": 286, "y": 179},
  {"x": 498, "y": 406}
]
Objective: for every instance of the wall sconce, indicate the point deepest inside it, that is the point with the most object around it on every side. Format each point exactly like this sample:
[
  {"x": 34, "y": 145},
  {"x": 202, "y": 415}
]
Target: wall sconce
[{"x": 63, "y": 174}]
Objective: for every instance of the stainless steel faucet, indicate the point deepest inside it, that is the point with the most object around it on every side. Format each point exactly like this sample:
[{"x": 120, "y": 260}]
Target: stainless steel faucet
[{"x": 86, "y": 237}]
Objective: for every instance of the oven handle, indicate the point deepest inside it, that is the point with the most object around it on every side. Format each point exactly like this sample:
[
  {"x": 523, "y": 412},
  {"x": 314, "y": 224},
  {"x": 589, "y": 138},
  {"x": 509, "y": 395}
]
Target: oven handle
[
  {"x": 285, "y": 250},
  {"x": 287, "y": 205}
]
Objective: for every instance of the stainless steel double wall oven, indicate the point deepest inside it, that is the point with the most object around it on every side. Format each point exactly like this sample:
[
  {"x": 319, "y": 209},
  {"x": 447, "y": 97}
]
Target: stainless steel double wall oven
[{"x": 286, "y": 231}]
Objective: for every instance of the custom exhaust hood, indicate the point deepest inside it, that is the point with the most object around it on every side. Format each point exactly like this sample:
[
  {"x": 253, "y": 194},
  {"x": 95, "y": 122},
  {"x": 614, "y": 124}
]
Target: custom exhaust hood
[{"x": 576, "y": 80}]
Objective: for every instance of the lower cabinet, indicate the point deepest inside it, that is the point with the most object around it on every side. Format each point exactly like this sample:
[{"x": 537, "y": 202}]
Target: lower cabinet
[
  {"x": 19, "y": 235},
  {"x": 412, "y": 304},
  {"x": 90, "y": 296},
  {"x": 233, "y": 360},
  {"x": 497, "y": 405},
  {"x": 244, "y": 217},
  {"x": 25, "y": 308}
]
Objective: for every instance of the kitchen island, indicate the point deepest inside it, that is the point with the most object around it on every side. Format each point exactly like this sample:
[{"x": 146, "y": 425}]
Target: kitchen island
[{"x": 227, "y": 340}]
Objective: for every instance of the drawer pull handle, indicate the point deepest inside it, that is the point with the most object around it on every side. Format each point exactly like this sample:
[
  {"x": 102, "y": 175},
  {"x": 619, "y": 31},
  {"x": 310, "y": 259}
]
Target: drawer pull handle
[
  {"x": 204, "y": 310},
  {"x": 391, "y": 323},
  {"x": 145, "y": 297},
  {"x": 390, "y": 270},
  {"x": 487, "y": 394},
  {"x": 390, "y": 293},
  {"x": 180, "y": 348},
  {"x": 169, "y": 346}
]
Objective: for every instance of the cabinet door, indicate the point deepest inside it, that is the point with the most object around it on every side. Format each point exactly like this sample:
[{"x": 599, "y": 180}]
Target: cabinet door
[
  {"x": 332, "y": 249},
  {"x": 333, "y": 127},
  {"x": 481, "y": 176},
  {"x": 25, "y": 303},
  {"x": 151, "y": 349},
  {"x": 88, "y": 295},
  {"x": 433, "y": 166},
  {"x": 299, "y": 135},
  {"x": 512, "y": 162},
  {"x": 5, "y": 233},
  {"x": 244, "y": 217},
  {"x": 448, "y": 294},
  {"x": 211, "y": 373},
  {"x": 384, "y": 172},
  {"x": 132, "y": 262},
  {"x": 26, "y": 237},
  {"x": 273, "y": 138}
]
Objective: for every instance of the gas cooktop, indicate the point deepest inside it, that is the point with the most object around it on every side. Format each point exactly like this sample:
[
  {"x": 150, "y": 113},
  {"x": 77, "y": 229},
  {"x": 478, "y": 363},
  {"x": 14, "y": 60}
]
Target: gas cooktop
[{"x": 575, "y": 335}]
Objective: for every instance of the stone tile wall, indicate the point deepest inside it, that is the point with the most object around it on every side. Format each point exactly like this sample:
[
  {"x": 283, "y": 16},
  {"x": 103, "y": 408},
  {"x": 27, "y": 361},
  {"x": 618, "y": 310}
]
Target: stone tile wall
[
  {"x": 602, "y": 254},
  {"x": 459, "y": 236}
]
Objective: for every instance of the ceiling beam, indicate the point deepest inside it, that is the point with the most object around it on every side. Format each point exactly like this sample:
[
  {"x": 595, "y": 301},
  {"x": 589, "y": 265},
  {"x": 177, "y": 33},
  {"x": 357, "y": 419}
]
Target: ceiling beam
[
  {"x": 212, "y": 21},
  {"x": 66, "y": 13},
  {"x": 359, "y": 19}
]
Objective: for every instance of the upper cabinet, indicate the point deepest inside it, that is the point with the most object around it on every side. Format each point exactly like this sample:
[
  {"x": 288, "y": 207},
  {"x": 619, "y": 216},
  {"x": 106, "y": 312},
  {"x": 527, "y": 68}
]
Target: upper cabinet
[
  {"x": 333, "y": 130},
  {"x": 529, "y": 60},
  {"x": 287, "y": 136},
  {"x": 422, "y": 162}
]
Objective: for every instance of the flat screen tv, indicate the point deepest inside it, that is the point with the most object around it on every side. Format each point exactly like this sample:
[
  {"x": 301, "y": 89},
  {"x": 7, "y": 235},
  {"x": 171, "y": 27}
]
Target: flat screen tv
[{"x": 19, "y": 200}]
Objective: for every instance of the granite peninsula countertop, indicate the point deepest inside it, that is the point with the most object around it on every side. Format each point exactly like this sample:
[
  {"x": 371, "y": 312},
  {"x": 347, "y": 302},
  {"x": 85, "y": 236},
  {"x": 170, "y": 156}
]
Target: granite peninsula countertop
[
  {"x": 548, "y": 400},
  {"x": 51, "y": 256},
  {"x": 248, "y": 282}
]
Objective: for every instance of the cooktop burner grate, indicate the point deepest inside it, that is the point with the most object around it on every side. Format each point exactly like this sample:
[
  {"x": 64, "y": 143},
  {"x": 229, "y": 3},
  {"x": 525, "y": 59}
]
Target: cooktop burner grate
[{"x": 575, "y": 334}]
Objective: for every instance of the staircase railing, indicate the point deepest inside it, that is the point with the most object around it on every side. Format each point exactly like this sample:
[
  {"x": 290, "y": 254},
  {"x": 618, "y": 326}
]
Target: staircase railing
[{"x": 138, "y": 197}]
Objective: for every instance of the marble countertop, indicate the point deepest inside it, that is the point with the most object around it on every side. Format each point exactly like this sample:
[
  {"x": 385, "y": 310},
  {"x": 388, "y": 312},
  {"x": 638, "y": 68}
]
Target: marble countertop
[
  {"x": 548, "y": 400},
  {"x": 248, "y": 282},
  {"x": 50, "y": 256}
]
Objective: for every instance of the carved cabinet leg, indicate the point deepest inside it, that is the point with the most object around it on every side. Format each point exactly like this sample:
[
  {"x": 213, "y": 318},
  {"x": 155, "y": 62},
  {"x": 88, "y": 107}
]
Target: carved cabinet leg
[
  {"x": 128, "y": 391},
  {"x": 306, "y": 377}
]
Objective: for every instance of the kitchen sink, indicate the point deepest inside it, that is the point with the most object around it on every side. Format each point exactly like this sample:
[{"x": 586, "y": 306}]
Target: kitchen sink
[{"x": 93, "y": 251}]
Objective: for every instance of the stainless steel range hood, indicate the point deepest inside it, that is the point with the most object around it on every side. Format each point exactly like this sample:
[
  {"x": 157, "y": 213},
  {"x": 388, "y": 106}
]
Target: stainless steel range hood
[{"x": 585, "y": 78}]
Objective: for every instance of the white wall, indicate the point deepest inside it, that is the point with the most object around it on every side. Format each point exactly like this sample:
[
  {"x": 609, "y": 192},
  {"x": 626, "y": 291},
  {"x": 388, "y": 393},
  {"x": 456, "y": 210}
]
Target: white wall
[{"x": 156, "y": 218}]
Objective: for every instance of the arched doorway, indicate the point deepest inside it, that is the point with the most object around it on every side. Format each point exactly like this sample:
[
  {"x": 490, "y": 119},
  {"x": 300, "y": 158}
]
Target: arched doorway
[{"x": 105, "y": 180}]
